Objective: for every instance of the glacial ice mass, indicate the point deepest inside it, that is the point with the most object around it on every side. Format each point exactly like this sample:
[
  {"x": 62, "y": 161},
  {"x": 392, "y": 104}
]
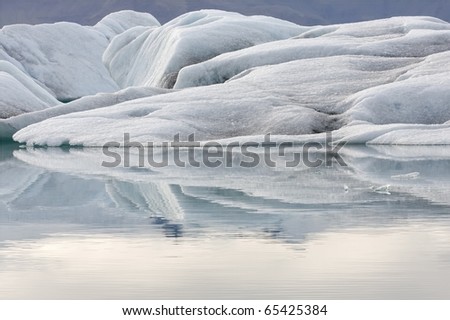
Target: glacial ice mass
[{"x": 223, "y": 75}]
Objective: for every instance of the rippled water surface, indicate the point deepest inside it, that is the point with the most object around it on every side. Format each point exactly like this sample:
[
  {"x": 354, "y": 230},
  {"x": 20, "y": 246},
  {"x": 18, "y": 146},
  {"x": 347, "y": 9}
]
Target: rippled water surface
[{"x": 378, "y": 228}]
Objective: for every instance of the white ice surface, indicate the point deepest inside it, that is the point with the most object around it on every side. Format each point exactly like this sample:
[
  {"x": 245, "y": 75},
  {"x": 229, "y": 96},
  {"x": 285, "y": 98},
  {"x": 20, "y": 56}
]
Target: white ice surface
[
  {"x": 376, "y": 82},
  {"x": 19, "y": 93},
  {"x": 303, "y": 100},
  {"x": 395, "y": 37},
  {"x": 155, "y": 57},
  {"x": 65, "y": 57},
  {"x": 11, "y": 125},
  {"x": 119, "y": 22}
]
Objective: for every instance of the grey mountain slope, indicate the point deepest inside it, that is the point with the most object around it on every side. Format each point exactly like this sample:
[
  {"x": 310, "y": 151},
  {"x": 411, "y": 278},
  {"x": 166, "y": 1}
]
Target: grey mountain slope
[{"x": 305, "y": 12}]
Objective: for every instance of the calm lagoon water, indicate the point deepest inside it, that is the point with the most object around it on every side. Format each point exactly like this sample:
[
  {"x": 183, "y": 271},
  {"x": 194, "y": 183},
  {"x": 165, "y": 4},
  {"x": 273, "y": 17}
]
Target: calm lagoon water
[{"x": 376, "y": 229}]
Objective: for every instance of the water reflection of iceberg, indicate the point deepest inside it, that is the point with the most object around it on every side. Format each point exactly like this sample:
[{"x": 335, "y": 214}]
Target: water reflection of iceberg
[
  {"x": 157, "y": 199},
  {"x": 265, "y": 189},
  {"x": 35, "y": 201},
  {"x": 274, "y": 202}
]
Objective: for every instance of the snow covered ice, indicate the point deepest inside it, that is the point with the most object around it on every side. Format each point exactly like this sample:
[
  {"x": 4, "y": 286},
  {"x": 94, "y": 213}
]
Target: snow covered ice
[
  {"x": 20, "y": 94},
  {"x": 11, "y": 125},
  {"x": 66, "y": 58},
  {"x": 374, "y": 82},
  {"x": 63, "y": 57},
  {"x": 119, "y": 22},
  {"x": 155, "y": 57}
]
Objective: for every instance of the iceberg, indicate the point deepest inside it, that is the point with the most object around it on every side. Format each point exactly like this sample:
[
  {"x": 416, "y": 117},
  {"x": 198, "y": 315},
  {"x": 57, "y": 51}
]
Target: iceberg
[
  {"x": 66, "y": 57},
  {"x": 240, "y": 78}
]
